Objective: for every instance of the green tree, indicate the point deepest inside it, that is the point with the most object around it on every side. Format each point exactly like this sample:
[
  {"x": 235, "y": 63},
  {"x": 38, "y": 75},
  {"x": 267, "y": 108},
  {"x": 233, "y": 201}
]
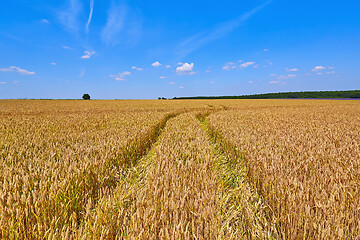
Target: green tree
[{"x": 86, "y": 96}]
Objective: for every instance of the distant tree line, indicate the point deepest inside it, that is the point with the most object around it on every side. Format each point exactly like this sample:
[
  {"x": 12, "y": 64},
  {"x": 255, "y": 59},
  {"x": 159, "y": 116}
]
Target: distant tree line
[{"x": 288, "y": 95}]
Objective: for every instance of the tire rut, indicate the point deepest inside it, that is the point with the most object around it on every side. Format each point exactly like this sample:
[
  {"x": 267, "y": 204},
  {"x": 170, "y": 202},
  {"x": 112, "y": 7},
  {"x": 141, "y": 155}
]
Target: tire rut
[{"x": 240, "y": 211}]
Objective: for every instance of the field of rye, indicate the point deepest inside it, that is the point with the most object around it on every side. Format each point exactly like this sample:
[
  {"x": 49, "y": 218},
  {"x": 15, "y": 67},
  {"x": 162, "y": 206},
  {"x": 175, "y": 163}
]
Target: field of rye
[{"x": 179, "y": 169}]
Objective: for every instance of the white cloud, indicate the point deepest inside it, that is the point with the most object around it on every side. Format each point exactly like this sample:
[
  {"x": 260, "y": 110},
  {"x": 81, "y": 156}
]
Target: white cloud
[
  {"x": 2, "y": 83},
  {"x": 168, "y": 66},
  {"x": 265, "y": 50},
  {"x": 246, "y": 64},
  {"x": 250, "y": 82},
  {"x": 319, "y": 73},
  {"x": 136, "y": 68},
  {"x": 156, "y": 64},
  {"x": 273, "y": 75},
  {"x": 330, "y": 67},
  {"x": 180, "y": 63},
  {"x": 162, "y": 77},
  {"x": 185, "y": 69},
  {"x": 331, "y": 72},
  {"x": 291, "y": 69},
  {"x": 208, "y": 71},
  {"x": 53, "y": 63},
  {"x": 256, "y": 66},
  {"x": 274, "y": 82},
  {"x": 121, "y": 76},
  {"x": 90, "y": 15},
  {"x": 226, "y": 68},
  {"x": 181, "y": 87},
  {"x": 282, "y": 77},
  {"x": 45, "y": 21},
  {"x": 171, "y": 82},
  {"x": 66, "y": 47},
  {"x": 16, "y": 69},
  {"x": 212, "y": 82},
  {"x": 318, "y": 68},
  {"x": 88, "y": 54}
]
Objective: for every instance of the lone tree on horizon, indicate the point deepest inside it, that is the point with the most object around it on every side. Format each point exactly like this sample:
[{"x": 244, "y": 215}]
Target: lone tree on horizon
[{"x": 86, "y": 96}]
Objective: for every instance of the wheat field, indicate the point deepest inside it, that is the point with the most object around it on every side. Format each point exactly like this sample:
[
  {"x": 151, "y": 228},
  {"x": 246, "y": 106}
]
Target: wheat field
[{"x": 179, "y": 169}]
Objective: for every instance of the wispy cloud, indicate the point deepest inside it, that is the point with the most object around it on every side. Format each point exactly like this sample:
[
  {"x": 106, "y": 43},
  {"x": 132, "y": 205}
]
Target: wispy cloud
[
  {"x": 136, "y": 68},
  {"x": 114, "y": 23},
  {"x": 274, "y": 82},
  {"x": 88, "y": 54},
  {"x": 45, "y": 21},
  {"x": 246, "y": 64},
  {"x": 53, "y": 63},
  {"x": 90, "y": 15},
  {"x": 193, "y": 43},
  {"x": 185, "y": 69},
  {"x": 171, "y": 82},
  {"x": 121, "y": 76},
  {"x": 82, "y": 73},
  {"x": 291, "y": 69},
  {"x": 17, "y": 69},
  {"x": 230, "y": 65},
  {"x": 66, "y": 47},
  {"x": 2, "y": 83},
  {"x": 162, "y": 77},
  {"x": 318, "y": 68},
  {"x": 282, "y": 77},
  {"x": 69, "y": 17},
  {"x": 226, "y": 67}
]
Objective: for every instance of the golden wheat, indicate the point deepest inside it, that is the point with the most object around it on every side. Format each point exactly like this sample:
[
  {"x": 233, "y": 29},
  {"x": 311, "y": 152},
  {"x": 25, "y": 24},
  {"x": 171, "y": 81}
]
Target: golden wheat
[
  {"x": 59, "y": 156},
  {"x": 222, "y": 169},
  {"x": 303, "y": 159}
]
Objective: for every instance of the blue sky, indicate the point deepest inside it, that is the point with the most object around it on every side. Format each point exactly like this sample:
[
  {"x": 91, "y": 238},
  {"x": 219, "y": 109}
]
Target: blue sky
[{"x": 142, "y": 49}]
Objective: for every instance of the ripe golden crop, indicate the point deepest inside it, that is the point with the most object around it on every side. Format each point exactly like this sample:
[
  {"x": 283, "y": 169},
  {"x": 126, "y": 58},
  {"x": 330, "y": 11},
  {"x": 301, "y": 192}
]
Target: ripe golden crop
[
  {"x": 303, "y": 159},
  {"x": 207, "y": 169}
]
